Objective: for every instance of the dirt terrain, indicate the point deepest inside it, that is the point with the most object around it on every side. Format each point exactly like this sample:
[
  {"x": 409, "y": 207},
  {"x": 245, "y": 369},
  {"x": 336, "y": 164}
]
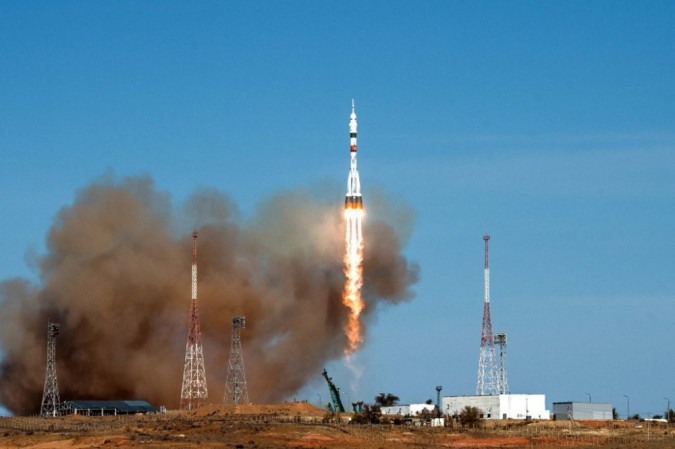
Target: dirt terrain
[{"x": 300, "y": 425}]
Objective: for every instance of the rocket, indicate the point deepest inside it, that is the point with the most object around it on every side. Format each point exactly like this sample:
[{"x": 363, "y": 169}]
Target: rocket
[{"x": 353, "y": 199}]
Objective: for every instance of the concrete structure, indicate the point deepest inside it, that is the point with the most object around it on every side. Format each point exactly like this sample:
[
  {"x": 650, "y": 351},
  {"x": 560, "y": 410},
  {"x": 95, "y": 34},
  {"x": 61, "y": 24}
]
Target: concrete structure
[
  {"x": 582, "y": 410},
  {"x": 500, "y": 406},
  {"x": 407, "y": 410}
]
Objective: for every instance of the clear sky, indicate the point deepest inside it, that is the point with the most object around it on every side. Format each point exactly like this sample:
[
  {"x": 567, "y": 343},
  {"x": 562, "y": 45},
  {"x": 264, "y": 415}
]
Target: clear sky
[{"x": 548, "y": 125}]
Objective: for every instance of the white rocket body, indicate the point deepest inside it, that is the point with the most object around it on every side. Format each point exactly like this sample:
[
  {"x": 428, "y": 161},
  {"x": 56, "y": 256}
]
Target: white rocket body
[{"x": 353, "y": 199}]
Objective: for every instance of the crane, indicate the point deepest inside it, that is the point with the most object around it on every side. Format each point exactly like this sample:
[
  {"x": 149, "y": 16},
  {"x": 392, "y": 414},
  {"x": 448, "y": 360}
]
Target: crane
[{"x": 334, "y": 394}]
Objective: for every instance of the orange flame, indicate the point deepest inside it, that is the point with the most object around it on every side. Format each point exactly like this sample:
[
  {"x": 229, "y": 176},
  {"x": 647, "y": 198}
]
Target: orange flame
[{"x": 353, "y": 269}]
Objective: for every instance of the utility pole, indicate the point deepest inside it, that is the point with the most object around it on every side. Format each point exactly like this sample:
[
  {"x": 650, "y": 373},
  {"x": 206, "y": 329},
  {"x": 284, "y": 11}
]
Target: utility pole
[
  {"x": 438, "y": 399},
  {"x": 627, "y": 406},
  {"x": 668, "y": 413},
  {"x": 194, "y": 391},
  {"x": 236, "y": 391},
  {"x": 50, "y": 395}
]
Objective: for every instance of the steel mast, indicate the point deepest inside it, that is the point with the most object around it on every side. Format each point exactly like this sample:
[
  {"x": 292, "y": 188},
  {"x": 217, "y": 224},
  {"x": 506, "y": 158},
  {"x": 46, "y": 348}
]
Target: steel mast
[
  {"x": 236, "y": 391},
  {"x": 194, "y": 391},
  {"x": 487, "y": 383},
  {"x": 50, "y": 395}
]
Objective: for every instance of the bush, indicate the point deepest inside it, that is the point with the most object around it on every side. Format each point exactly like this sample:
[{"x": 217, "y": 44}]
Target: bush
[{"x": 469, "y": 416}]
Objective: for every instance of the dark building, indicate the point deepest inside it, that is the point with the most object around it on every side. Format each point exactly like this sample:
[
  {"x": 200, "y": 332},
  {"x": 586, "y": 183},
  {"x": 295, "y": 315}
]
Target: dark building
[{"x": 101, "y": 408}]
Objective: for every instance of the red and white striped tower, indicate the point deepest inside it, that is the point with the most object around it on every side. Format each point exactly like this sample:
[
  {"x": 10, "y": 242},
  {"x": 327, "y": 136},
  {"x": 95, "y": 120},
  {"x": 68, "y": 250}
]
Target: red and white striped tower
[
  {"x": 487, "y": 383},
  {"x": 194, "y": 392}
]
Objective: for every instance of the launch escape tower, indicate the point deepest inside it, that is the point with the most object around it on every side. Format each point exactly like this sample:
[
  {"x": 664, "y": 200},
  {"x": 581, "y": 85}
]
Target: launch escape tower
[
  {"x": 236, "y": 391},
  {"x": 194, "y": 392},
  {"x": 487, "y": 383},
  {"x": 502, "y": 381},
  {"x": 50, "y": 395}
]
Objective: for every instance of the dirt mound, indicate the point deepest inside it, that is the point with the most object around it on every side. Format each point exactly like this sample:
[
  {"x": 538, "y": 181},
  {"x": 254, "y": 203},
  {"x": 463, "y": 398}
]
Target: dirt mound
[{"x": 285, "y": 409}]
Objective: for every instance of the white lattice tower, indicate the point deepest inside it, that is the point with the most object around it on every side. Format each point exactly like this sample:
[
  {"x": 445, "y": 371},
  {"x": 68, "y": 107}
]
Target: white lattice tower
[
  {"x": 50, "y": 394},
  {"x": 487, "y": 383},
  {"x": 194, "y": 391},
  {"x": 236, "y": 391}
]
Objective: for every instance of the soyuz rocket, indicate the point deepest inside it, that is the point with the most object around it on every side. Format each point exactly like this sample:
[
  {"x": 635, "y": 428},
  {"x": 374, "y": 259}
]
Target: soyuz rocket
[{"x": 353, "y": 199}]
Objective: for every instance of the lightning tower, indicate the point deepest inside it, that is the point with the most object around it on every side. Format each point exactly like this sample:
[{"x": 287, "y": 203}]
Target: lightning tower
[
  {"x": 50, "y": 395},
  {"x": 502, "y": 381},
  {"x": 487, "y": 383},
  {"x": 353, "y": 259},
  {"x": 194, "y": 391},
  {"x": 236, "y": 391}
]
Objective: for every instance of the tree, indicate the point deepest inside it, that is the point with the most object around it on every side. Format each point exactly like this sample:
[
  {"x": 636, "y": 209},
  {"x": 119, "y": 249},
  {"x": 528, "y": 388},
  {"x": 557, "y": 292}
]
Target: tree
[
  {"x": 386, "y": 399},
  {"x": 426, "y": 414},
  {"x": 469, "y": 416},
  {"x": 368, "y": 415}
]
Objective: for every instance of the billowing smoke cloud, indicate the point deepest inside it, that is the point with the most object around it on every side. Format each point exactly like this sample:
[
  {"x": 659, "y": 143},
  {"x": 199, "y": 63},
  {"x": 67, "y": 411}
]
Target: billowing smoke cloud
[{"x": 117, "y": 277}]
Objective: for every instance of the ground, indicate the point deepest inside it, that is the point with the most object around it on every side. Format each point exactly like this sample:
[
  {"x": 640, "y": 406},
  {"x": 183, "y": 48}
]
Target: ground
[{"x": 300, "y": 425}]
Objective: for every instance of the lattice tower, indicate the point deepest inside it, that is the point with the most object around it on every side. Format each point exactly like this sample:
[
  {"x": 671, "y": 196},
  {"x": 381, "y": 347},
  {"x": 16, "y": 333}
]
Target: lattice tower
[
  {"x": 487, "y": 383},
  {"x": 50, "y": 395},
  {"x": 236, "y": 391},
  {"x": 502, "y": 379},
  {"x": 194, "y": 391}
]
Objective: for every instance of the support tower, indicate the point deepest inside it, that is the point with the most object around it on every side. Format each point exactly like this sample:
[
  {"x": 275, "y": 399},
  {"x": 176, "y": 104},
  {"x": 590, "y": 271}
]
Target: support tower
[
  {"x": 336, "y": 402},
  {"x": 194, "y": 391},
  {"x": 50, "y": 395},
  {"x": 236, "y": 391},
  {"x": 487, "y": 383}
]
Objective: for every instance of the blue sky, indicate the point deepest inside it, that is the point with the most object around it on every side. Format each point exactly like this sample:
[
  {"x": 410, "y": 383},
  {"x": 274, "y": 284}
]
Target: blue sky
[{"x": 548, "y": 125}]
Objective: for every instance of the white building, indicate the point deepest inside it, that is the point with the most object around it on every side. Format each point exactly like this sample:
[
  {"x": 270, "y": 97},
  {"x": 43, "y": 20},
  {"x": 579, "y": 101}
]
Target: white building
[
  {"x": 500, "y": 406},
  {"x": 582, "y": 410},
  {"x": 407, "y": 410}
]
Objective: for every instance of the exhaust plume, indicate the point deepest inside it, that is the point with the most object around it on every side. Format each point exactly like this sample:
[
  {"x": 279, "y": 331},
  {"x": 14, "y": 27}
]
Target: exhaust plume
[{"x": 116, "y": 276}]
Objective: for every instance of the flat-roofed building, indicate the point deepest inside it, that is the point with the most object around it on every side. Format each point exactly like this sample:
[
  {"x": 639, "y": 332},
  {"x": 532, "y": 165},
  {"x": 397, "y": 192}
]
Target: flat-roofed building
[
  {"x": 408, "y": 409},
  {"x": 582, "y": 410},
  {"x": 499, "y": 406},
  {"x": 100, "y": 408}
]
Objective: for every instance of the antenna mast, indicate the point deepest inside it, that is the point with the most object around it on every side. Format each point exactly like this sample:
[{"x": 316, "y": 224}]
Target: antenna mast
[
  {"x": 194, "y": 391},
  {"x": 50, "y": 395},
  {"x": 487, "y": 383},
  {"x": 236, "y": 391}
]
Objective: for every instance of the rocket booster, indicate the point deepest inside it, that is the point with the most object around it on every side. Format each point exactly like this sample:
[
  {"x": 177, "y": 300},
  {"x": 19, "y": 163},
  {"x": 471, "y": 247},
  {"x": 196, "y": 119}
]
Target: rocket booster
[{"x": 353, "y": 199}]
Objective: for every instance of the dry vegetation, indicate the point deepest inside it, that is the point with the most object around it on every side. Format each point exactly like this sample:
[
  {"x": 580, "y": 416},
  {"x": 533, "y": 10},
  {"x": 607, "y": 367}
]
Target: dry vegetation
[{"x": 300, "y": 425}]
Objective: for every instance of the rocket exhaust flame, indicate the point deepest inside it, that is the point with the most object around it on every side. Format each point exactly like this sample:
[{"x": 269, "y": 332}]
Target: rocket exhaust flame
[
  {"x": 354, "y": 272},
  {"x": 353, "y": 259}
]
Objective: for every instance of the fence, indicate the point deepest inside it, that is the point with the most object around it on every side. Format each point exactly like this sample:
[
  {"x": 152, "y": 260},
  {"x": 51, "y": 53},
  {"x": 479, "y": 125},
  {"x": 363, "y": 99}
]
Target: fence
[{"x": 538, "y": 435}]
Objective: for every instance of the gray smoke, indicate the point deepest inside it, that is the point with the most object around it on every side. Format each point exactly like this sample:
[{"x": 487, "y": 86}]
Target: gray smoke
[{"x": 117, "y": 277}]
